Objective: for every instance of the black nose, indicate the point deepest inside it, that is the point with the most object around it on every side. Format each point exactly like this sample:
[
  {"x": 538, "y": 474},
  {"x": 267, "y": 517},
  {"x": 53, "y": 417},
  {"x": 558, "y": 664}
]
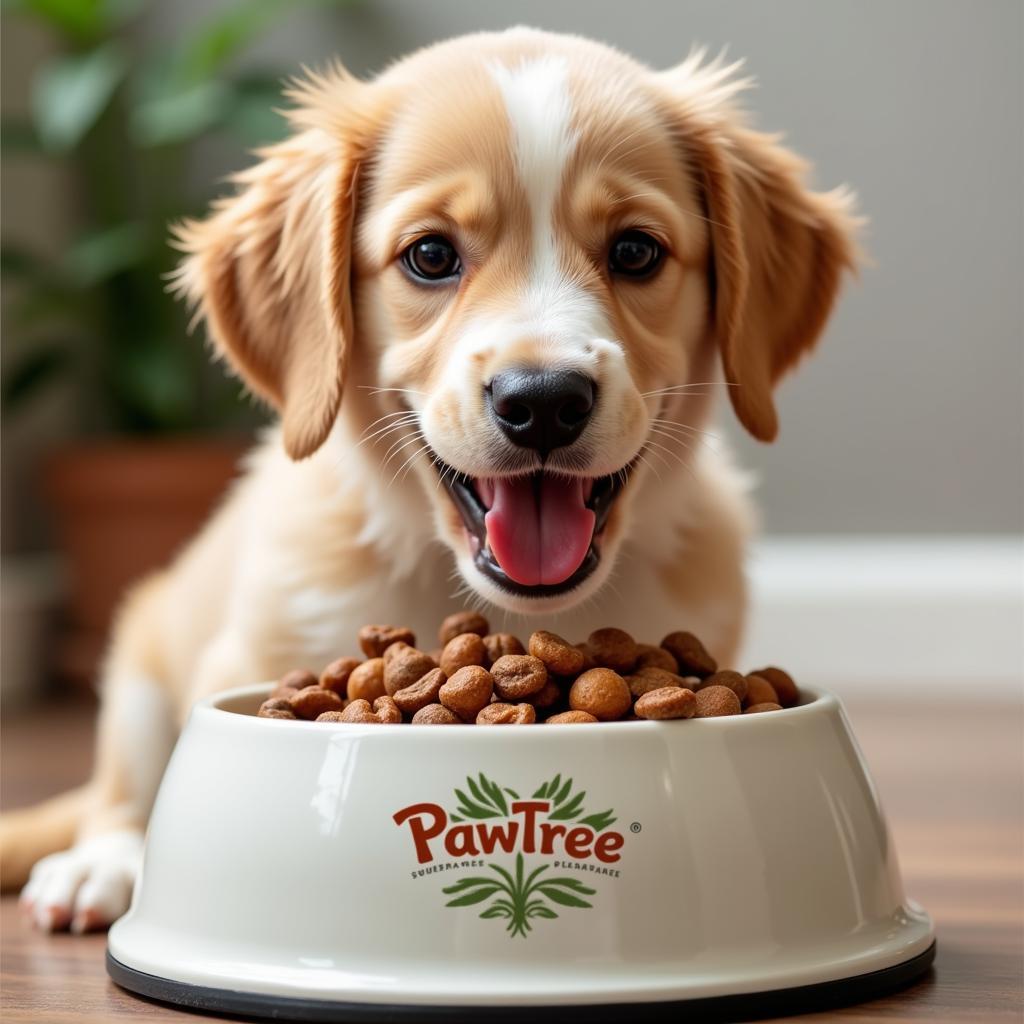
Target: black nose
[{"x": 541, "y": 409}]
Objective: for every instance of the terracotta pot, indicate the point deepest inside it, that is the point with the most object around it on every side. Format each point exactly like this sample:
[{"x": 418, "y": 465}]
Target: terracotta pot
[{"x": 122, "y": 509}]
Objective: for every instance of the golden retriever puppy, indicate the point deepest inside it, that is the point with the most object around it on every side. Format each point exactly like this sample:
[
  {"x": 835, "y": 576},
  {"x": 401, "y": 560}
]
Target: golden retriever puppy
[{"x": 488, "y": 293}]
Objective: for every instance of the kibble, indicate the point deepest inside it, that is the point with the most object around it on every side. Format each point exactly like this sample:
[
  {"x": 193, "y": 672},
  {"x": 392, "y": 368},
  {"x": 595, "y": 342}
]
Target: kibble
[
  {"x": 366, "y": 681},
  {"x": 601, "y": 693},
  {"x": 484, "y": 678},
  {"x": 518, "y": 676},
  {"x": 782, "y": 683},
  {"x": 666, "y": 703},
  {"x": 559, "y": 656},
  {"x": 690, "y": 654},
  {"x": 462, "y": 622},
  {"x": 612, "y": 648},
  {"x": 760, "y": 691},
  {"x": 500, "y": 713},
  {"x": 467, "y": 692},
  {"x": 335, "y": 677},
  {"x": 462, "y": 650},
  {"x": 375, "y": 640},
  {"x": 716, "y": 701},
  {"x": 418, "y": 695},
  {"x": 499, "y": 644},
  {"x": 403, "y": 665}
]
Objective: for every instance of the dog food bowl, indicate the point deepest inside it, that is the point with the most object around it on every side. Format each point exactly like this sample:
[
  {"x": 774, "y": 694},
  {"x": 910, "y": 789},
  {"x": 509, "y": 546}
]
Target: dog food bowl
[{"x": 728, "y": 867}]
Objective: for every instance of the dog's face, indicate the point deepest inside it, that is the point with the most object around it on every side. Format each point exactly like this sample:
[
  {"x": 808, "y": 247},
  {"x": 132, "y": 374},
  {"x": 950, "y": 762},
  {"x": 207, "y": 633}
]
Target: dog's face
[{"x": 531, "y": 250}]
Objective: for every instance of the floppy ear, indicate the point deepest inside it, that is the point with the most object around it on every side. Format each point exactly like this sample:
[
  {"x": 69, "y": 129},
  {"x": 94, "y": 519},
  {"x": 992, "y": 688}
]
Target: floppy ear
[
  {"x": 269, "y": 269},
  {"x": 778, "y": 249}
]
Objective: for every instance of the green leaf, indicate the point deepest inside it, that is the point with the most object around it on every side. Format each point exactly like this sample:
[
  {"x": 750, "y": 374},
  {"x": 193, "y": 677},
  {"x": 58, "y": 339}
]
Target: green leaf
[
  {"x": 101, "y": 254},
  {"x": 475, "y": 896},
  {"x": 225, "y": 34},
  {"x": 497, "y": 910},
  {"x": 467, "y": 883},
  {"x": 497, "y": 798},
  {"x": 599, "y": 822},
  {"x": 561, "y": 897},
  {"x": 571, "y": 883},
  {"x": 541, "y": 912},
  {"x": 541, "y": 793},
  {"x": 484, "y": 801},
  {"x": 512, "y": 793},
  {"x": 562, "y": 793},
  {"x": 71, "y": 92},
  {"x": 569, "y": 810},
  {"x": 471, "y": 810},
  {"x": 79, "y": 20},
  {"x": 181, "y": 114}
]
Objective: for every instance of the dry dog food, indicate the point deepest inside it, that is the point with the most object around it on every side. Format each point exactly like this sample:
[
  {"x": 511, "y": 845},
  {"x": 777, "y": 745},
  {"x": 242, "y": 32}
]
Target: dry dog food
[{"x": 484, "y": 678}]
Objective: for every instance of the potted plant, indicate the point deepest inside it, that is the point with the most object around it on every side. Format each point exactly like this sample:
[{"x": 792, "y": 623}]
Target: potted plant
[{"x": 159, "y": 429}]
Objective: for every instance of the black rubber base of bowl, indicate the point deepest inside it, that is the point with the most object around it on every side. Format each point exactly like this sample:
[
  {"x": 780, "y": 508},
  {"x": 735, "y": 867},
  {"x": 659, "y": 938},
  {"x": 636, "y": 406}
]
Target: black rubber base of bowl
[{"x": 746, "y": 1006}]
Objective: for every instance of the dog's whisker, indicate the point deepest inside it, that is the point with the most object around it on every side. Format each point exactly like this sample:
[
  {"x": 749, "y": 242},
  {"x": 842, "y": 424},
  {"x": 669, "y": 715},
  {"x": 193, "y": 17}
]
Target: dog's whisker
[
  {"x": 685, "y": 427},
  {"x": 381, "y": 391},
  {"x": 387, "y": 429},
  {"x": 675, "y": 388},
  {"x": 400, "y": 445}
]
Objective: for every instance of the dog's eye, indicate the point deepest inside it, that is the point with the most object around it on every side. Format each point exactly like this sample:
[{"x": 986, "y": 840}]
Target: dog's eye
[
  {"x": 634, "y": 254},
  {"x": 432, "y": 258}
]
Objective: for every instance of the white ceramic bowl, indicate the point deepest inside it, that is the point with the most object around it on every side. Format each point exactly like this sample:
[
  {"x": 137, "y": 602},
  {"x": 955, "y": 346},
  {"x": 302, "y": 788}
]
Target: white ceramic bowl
[{"x": 361, "y": 872}]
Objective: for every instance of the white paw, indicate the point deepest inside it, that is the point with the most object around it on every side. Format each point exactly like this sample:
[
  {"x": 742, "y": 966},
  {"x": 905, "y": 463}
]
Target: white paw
[{"x": 87, "y": 887}]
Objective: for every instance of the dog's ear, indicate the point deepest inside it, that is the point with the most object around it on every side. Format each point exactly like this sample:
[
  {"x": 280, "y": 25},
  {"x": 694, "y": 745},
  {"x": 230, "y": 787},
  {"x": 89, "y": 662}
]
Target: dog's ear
[
  {"x": 778, "y": 249},
  {"x": 269, "y": 268}
]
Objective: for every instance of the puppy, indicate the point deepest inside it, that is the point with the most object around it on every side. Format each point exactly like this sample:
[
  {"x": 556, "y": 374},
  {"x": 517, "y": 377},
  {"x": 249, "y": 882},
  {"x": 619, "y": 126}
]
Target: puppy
[{"x": 487, "y": 293}]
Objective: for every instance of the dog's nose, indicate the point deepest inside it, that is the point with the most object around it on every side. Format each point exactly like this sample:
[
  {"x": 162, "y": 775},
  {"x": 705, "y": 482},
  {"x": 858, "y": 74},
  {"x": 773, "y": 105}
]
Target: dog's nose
[{"x": 541, "y": 409}]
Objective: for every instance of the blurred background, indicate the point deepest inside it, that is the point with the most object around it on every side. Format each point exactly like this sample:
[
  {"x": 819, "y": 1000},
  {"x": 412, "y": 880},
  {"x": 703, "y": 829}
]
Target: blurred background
[{"x": 893, "y": 502}]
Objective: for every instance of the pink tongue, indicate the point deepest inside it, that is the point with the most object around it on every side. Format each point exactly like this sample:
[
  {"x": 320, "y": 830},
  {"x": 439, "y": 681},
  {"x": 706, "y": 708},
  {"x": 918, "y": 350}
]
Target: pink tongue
[{"x": 539, "y": 534}]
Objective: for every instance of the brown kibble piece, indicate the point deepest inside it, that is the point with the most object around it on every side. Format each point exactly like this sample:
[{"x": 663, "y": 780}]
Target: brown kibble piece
[
  {"x": 649, "y": 656},
  {"x": 366, "y": 681},
  {"x": 467, "y": 692},
  {"x": 647, "y": 679},
  {"x": 435, "y": 714},
  {"x": 668, "y": 702},
  {"x": 298, "y": 679},
  {"x": 518, "y": 676},
  {"x": 602, "y": 693},
  {"x": 588, "y": 657},
  {"x": 571, "y": 718},
  {"x": 756, "y": 709},
  {"x": 314, "y": 700},
  {"x": 559, "y": 656},
  {"x": 462, "y": 650},
  {"x": 335, "y": 676},
  {"x": 383, "y": 711},
  {"x": 782, "y": 683},
  {"x": 421, "y": 693},
  {"x": 612, "y": 648},
  {"x": 726, "y": 677},
  {"x": 331, "y": 716},
  {"x": 276, "y": 707},
  {"x": 760, "y": 691},
  {"x": 498, "y": 645},
  {"x": 507, "y": 714},
  {"x": 403, "y": 665},
  {"x": 716, "y": 701},
  {"x": 462, "y": 622},
  {"x": 549, "y": 696},
  {"x": 690, "y": 654},
  {"x": 375, "y": 640},
  {"x": 287, "y": 692}
]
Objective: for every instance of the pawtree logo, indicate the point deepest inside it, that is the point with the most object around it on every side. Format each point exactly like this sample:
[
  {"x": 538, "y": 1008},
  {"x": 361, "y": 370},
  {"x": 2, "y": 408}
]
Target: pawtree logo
[{"x": 490, "y": 818}]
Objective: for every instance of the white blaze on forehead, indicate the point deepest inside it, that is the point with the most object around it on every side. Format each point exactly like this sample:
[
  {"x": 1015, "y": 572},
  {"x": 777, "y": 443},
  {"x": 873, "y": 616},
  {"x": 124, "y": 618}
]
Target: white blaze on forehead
[{"x": 537, "y": 99}]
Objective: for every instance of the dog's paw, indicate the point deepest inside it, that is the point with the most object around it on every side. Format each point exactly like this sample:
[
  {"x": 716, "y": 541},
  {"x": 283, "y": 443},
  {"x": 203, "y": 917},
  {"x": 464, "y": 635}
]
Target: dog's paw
[{"x": 87, "y": 887}]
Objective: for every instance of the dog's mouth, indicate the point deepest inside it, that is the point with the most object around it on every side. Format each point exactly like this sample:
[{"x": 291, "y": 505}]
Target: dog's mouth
[{"x": 535, "y": 535}]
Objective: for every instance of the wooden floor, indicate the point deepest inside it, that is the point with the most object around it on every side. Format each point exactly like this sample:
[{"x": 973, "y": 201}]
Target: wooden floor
[{"x": 950, "y": 775}]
